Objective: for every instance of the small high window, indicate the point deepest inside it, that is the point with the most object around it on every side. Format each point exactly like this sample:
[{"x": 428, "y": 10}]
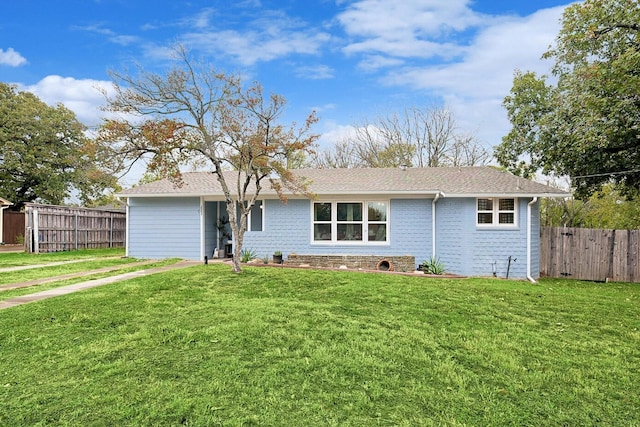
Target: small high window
[{"x": 496, "y": 212}]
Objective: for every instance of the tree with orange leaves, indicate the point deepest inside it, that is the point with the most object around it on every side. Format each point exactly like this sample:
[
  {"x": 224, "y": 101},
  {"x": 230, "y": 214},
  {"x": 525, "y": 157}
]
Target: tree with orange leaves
[{"x": 196, "y": 115}]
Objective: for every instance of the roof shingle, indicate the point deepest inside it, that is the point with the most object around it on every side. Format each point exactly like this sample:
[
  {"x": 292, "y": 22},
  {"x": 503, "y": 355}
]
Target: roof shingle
[{"x": 452, "y": 181}]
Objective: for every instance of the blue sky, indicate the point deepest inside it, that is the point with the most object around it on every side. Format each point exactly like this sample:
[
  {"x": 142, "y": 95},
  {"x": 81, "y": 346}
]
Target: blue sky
[{"x": 347, "y": 59}]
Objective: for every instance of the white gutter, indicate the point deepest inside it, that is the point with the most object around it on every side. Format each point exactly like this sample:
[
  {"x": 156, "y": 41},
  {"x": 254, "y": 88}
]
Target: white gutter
[
  {"x": 433, "y": 223},
  {"x": 529, "y": 226},
  {"x": 273, "y": 195}
]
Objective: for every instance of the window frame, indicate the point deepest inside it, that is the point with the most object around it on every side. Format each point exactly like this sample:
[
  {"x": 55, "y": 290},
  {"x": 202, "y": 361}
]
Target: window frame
[
  {"x": 259, "y": 204},
  {"x": 495, "y": 211},
  {"x": 364, "y": 223}
]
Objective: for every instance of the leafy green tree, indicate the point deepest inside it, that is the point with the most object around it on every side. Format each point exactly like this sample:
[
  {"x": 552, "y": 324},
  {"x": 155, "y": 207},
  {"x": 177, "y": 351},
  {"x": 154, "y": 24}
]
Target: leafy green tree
[
  {"x": 194, "y": 114},
  {"x": 586, "y": 122},
  {"x": 605, "y": 208},
  {"x": 567, "y": 212},
  {"x": 44, "y": 153},
  {"x": 608, "y": 208}
]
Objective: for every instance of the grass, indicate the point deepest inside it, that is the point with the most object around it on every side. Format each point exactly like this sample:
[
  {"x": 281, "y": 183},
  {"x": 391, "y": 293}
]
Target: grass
[
  {"x": 84, "y": 261},
  {"x": 8, "y": 277},
  {"x": 12, "y": 259},
  {"x": 124, "y": 266},
  {"x": 205, "y": 346}
]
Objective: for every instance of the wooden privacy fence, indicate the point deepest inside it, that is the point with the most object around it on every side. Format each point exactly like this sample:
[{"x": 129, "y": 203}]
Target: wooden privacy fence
[
  {"x": 13, "y": 228},
  {"x": 590, "y": 254},
  {"x": 59, "y": 228}
]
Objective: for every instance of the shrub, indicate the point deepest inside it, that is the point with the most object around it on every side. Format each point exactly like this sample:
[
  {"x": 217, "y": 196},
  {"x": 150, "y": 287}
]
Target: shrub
[
  {"x": 433, "y": 266},
  {"x": 247, "y": 255}
]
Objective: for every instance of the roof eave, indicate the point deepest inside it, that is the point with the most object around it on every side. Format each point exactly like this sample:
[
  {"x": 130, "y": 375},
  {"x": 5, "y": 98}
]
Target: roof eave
[
  {"x": 420, "y": 193},
  {"x": 509, "y": 194},
  {"x": 149, "y": 195},
  {"x": 408, "y": 193}
]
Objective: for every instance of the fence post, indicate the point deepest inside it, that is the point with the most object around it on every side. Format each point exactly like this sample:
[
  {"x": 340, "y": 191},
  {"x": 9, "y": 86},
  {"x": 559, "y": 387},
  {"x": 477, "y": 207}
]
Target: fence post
[
  {"x": 75, "y": 231},
  {"x": 111, "y": 230},
  {"x": 36, "y": 232}
]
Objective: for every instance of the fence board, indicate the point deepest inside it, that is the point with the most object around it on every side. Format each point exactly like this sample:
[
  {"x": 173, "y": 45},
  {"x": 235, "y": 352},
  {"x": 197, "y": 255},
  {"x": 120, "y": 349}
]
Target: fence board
[
  {"x": 13, "y": 228},
  {"x": 590, "y": 254},
  {"x": 59, "y": 228}
]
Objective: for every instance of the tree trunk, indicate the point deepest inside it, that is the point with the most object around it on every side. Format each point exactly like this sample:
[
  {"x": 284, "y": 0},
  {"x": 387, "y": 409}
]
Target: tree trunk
[
  {"x": 237, "y": 252},
  {"x": 238, "y": 233}
]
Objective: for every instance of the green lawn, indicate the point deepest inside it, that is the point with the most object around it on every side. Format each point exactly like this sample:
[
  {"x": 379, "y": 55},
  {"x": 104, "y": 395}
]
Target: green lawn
[
  {"x": 11, "y": 259},
  {"x": 287, "y": 347},
  {"x": 9, "y": 277},
  {"x": 87, "y": 268}
]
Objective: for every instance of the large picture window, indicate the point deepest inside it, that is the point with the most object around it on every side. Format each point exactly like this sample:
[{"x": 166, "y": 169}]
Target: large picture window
[
  {"x": 350, "y": 222},
  {"x": 496, "y": 212}
]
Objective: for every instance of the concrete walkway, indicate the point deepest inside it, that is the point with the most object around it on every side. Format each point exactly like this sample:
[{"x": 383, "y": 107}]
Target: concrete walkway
[
  {"x": 44, "y": 280},
  {"x": 64, "y": 290},
  {"x": 49, "y": 264}
]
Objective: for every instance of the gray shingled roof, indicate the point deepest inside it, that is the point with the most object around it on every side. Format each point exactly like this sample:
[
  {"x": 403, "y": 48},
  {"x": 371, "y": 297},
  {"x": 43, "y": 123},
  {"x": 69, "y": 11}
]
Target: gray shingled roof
[{"x": 452, "y": 181}]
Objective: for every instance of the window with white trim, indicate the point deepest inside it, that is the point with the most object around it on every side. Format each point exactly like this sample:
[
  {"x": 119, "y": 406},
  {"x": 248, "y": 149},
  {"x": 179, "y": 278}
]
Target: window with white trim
[
  {"x": 255, "y": 217},
  {"x": 350, "y": 222},
  {"x": 493, "y": 211}
]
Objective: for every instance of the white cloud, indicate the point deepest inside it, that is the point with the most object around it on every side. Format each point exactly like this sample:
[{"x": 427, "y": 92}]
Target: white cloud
[
  {"x": 416, "y": 28},
  {"x": 475, "y": 85},
  {"x": 202, "y": 19},
  {"x": 112, "y": 36},
  {"x": 487, "y": 68},
  {"x": 372, "y": 63},
  {"x": 82, "y": 96},
  {"x": 250, "y": 47},
  {"x": 271, "y": 35},
  {"x": 11, "y": 58},
  {"x": 382, "y": 18},
  {"x": 315, "y": 72},
  {"x": 333, "y": 133}
]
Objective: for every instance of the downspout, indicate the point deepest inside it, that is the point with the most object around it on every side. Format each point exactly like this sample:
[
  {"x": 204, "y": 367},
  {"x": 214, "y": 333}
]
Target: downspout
[
  {"x": 202, "y": 230},
  {"x": 126, "y": 230},
  {"x": 529, "y": 226},
  {"x": 433, "y": 223}
]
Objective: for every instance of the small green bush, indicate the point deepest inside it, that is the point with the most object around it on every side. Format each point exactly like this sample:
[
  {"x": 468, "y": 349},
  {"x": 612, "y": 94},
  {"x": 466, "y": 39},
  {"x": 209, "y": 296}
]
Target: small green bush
[
  {"x": 247, "y": 255},
  {"x": 433, "y": 266}
]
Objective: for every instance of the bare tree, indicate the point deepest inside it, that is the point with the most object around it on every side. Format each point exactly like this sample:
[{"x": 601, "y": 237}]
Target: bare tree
[
  {"x": 421, "y": 137},
  {"x": 341, "y": 156},
  {"x": 467, "y": 151},
  {"x": 196, "y": 114}
]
